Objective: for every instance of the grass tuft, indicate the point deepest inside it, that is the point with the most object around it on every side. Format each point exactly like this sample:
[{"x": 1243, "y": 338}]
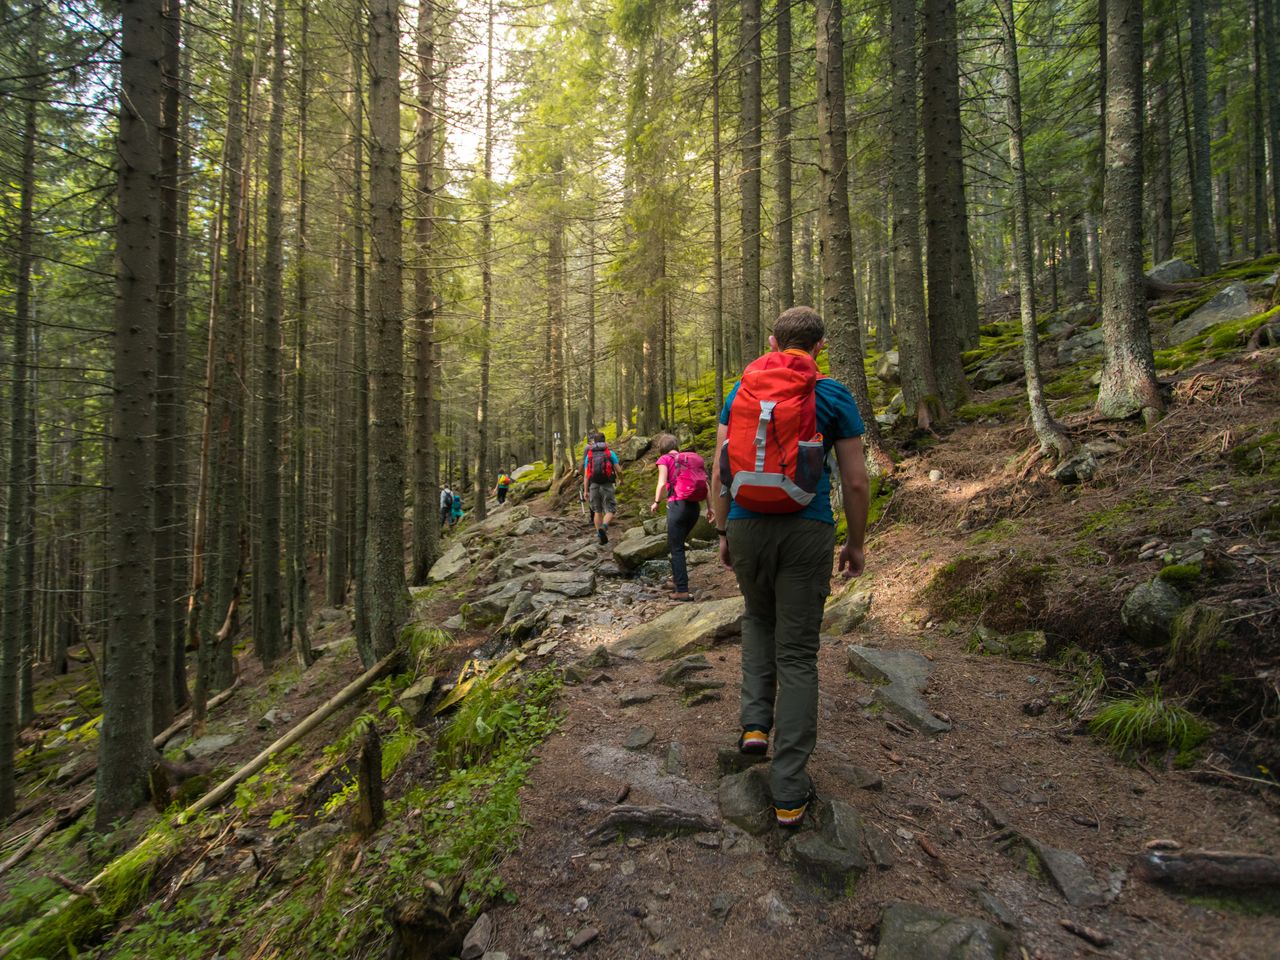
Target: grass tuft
[{"x": 1147, "y": 722}]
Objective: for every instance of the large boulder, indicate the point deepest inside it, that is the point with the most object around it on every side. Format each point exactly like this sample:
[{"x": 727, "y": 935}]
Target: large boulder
[
  {"x": 634, "y": 550},
  {"x": 527, "y": 469},
  {"x": 911, "y": 932},
  {"x": 451, "y": 563},
  {"x": 1004, "y": 368},
  {"x": 682, "y": 629},
  {"x": 631, "y": 448},
  {"x": 1172, "y": 271},
  {"x": 1230, "y": 303},
  {"x": 493, "y": 606},
  {"x": 1149, "y": 611},
  {"x": 846, "y": 611}
]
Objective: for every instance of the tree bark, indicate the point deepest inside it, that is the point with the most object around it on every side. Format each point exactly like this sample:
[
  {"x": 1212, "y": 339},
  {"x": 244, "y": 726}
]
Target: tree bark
[
  {"x": 919, "y": 385},
  {"x": 1269, "y": 27},
  {"x": 1128, "y": 369},
  {"x": 384, "y": 544},
  {"x": 717, "y": 213},
  {"x": 1258, "y": 134},
  {"x": 1051, "y": 436},
  {"x": 486, "y": 283},
  {"x": 944, "y": 192},
  {"x": 125, "y": 750},
  {"x": 783, "y": 228},
  {"x": 426, "y": 496},
  {"x": 360, "y": 526},
  {"x": 750, "y": 174},
  {"x": 1202, "y": 220},
  {"x": 835, "y": 235},
  {"x": 1162, "y": 159}
]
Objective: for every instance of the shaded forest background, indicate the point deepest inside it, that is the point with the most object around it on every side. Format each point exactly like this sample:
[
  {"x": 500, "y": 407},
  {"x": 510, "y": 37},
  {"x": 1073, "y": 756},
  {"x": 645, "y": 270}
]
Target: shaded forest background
[{"x": 355, "y": 251}]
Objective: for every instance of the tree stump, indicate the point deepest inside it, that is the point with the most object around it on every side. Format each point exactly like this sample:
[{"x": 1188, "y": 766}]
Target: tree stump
[{"x": 369, "y": 812}]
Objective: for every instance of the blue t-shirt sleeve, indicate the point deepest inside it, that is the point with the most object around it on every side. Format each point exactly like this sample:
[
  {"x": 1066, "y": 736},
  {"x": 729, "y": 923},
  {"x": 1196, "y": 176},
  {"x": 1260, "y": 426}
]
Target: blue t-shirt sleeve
[
  {"x": 614, "y": 457},
  {"x": 838, "y": 416},
  {"x": 728, "y": 402}
]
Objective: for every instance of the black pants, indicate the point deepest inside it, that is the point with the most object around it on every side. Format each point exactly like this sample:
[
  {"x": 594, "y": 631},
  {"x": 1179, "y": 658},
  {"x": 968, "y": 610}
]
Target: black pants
[
  {"x": 682, "y": 515},
  {"x": 502, "y": 495}
]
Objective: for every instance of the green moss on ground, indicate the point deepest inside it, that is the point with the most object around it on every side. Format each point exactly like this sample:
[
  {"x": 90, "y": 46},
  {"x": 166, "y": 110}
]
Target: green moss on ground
[
  {"x": 1213, "y": 344},
  {"x": 1003, "y": 409}
]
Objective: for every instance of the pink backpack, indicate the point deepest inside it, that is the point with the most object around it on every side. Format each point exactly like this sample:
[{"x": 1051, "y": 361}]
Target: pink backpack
[{"x": 687, "y": 479}]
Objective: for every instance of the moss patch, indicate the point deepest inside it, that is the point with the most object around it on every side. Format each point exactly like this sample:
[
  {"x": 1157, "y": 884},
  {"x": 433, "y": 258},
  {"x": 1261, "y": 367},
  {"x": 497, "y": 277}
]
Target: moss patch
[{"x": 1007, "y": 593}]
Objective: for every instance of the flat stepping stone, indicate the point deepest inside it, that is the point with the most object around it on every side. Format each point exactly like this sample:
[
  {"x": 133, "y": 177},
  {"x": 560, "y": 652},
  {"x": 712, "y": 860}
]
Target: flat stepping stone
[
  {"x": 745, "y": 800},
  {"x": 910, "y": 932},
  {"x": 639, "y": 738},
  {"x": 832, "y": 854},
  {"x": 904, "y": 674},
  {"x": 858, "y": 777},
  {"x": 683, "y": 629},
  {"x": 633, "y": 698},
  {"x": 1069, "y": 873},
  {"x": 681, "y": 670},
  {"x": 732, "y": 760},
  {"x": 208, "y": 745}
]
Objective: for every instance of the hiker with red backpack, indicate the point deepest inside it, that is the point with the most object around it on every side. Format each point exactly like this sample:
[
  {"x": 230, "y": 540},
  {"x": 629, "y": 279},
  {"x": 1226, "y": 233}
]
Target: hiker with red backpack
[
  {"x": 599, "y": 477},
  {"x": 682, "y": 480},
  {"x": 777, "y": 533}
]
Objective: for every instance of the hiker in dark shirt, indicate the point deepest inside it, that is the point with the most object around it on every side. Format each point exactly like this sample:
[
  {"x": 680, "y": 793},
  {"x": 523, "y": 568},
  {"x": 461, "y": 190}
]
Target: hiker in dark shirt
[
  {"x": 778, "y": 537},
  {"x": 599, "y": 478}
]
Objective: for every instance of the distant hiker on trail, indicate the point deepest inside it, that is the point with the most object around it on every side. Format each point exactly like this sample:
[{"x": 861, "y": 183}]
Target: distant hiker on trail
[
  {"x": 455, "y": 512},
  {"x": 599, "y": 475},
  {"x": 446, "y": 506},
  {"x": 776, "y": 428},
  {"x": 682, "y": 481},
  {"x": 500, "y": 491}
]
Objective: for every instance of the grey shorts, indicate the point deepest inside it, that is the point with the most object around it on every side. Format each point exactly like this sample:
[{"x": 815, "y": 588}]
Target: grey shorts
[{"x": 603, "y": 498}]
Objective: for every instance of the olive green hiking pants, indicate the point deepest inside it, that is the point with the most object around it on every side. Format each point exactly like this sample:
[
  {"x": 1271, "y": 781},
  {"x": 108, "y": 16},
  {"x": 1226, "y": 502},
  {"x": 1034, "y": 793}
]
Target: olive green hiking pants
[{"x": 783, "y": 566}]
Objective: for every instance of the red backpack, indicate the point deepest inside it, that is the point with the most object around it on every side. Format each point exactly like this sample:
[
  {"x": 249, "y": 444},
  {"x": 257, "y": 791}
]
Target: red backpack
[
  {"x": 687, "y": 478},
  {"x": 772, "y": 461}
]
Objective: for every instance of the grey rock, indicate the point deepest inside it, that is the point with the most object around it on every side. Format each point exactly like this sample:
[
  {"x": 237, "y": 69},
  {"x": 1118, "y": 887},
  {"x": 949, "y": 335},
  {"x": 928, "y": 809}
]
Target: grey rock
[
  {"x": 639, "y": 737},
  {"x": 330, "y": 614},
  {"x": 887, "y": 368},
  {"x": 583, "y": 937},
  {"x": 731, "y": 760},
  {"x": 683, "y": 668},
  {"x": 536, "y": 561},
  {"x": 631, "y": 448},
  {"x": 696, "y": 558},
  {"x": 685, "y": 627},
  {"x": 633, "y": 698},
  {"x": 492, "y": 606},
  {"x": 454, "y": 623},
  {"x": 1086, "y": 343},
  {"x": 1172, "y": 271},
  {"x": 910, "y": 932},
  {"x": 856, "y": 776},
  {"x": 1023, "y": 645},
  {"x": 1149, "y": 610},
  {"x": 1230, "y": 303},
  {"x": 569, "y": 583},
  {"x": 272, "y": 717},
  {"x": 722, "y": 905},
  {"x": 609, "y": 569},
  {"x": 1069, "y": 873},
  {"x": 906, "y": 673},
  {"x": 415, "y": 698},
  {"x": 1005, "y": 368},
  {"x": 478, "y": 938},
  {"x": 307, "y": 847},
  {"x": 521, "y": 605},
  {"x": 995, "y": 906},
  {"x": 529, "y": 526},
  {"x": 880, "y": 845},
  {"x": 745, "y": 800},
  {"x": 674, "y": 764},
  {"x": 208, "y": 745},
  {"x": 846, "y": 611},
  {"x": 494, "y": 955},
  {"x": 776, "y": 913},
  {"x": 632, "y": 551},
  {"x": 832, "y": 854},
  {"x": 451, "y": 563},
  {"x": 1077, "y": 468}
]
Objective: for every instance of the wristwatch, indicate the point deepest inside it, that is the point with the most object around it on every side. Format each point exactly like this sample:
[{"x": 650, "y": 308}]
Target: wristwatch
[{"x": 722, "y": 533}]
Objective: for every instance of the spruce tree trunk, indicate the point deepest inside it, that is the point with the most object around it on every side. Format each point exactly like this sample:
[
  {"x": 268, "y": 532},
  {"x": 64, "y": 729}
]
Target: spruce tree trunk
[
  {"x": 1128, "y": 368},
  {"x": 384, "y": 544},
  {"x": 337, "y": 562},
  {"x": 943, "y": 193},
  {"x": 592, "y": 412},
  {"x": 360, "y": 526},
  {"x": 1051, "y": 436},
  {"x": 919, "y": 385},
  {"x": 19, "y": 480},
  {"x": 125, "y": 752},
  {"x": 750, "y": 174},
  {"x": 1162, "y": 164},
  {"x": 1202, "y": 220},
  {"x": 836, "y": 237},
  {"x": 717, "y": 214},
  {"x": 426, "y": 496},
  {"x": 486, "y": 283},
  {"x": 1269, "y": 27},
  {"x": 783, "y": 229},
  {"x": 296, "y": 583},
  {"x": 1258, "y": 134},
  {"x": 269, "y": 640},
  {"x": 555, "y": 315},
  {"x": 169, "y": 521}
]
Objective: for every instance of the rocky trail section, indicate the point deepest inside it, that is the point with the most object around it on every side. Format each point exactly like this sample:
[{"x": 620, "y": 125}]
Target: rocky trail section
[{"x": 958, "y": 818}]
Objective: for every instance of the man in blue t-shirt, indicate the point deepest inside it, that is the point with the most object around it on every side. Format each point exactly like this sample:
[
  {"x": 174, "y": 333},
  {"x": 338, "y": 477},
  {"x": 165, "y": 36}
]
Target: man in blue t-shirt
[
  {"x": 600, "y": 472},
  {"x": 783, "y": 565}
]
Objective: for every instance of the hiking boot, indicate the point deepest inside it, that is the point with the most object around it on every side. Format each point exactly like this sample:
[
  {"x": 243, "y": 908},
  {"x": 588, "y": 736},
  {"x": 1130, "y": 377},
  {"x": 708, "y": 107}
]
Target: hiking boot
[
  {"x": 790, "y": 815},
  {"x": 601, "y": 535},
  {"x": 754, "y": 742},
  {"x": 684, "y": 597}
]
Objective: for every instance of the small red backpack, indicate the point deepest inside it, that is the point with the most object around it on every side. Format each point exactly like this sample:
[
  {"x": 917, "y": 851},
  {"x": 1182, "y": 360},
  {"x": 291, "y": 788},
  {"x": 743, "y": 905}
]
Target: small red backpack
[{"x": 772, "y": 460}]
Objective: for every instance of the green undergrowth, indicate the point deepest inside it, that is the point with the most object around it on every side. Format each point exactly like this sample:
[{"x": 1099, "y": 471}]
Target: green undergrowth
[
  {"x": 1215, "y": 343},
  {"x": 1005, "y": 408},
  {"x": 1257, "y": 451},
  {"x": 1146, "y": 723},
  {"x": 1005, "y": 591}
]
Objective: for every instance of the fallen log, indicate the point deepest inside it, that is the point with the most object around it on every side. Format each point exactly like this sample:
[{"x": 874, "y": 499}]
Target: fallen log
[
  {"x": 59, "y": 820},
  {"x": 1208, "y": 868},
  {"x": 650, "y": 821},
  {"x": 317, "y": 717}
]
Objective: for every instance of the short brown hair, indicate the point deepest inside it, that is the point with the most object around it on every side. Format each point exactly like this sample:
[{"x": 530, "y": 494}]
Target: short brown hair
[
  {"x": 667, "y": 442},
  {"x": 798, "y": 327}
]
